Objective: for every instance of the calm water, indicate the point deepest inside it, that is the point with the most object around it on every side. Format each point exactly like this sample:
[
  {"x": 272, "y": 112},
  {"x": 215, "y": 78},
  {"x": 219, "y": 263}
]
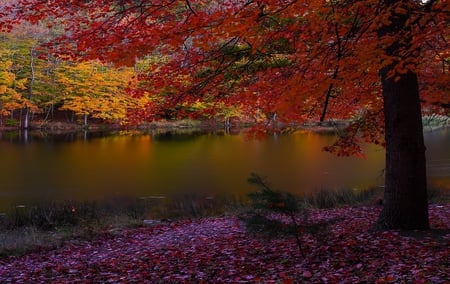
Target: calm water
[{"x": 96, "y": 166}]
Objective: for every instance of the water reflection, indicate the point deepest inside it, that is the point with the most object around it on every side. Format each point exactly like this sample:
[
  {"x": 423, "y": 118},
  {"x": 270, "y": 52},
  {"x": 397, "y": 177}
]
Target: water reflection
[
  {"x": 96, "y": 165},
  {"x": 25, "y": 136}
]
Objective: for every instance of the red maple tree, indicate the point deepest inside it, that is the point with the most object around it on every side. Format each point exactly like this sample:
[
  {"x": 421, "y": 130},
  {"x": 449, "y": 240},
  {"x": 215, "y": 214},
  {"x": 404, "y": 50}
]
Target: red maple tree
[{"x": 378, "y": 63}]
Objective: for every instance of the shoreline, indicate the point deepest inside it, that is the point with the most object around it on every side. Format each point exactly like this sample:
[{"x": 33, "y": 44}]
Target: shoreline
[{"x": 58, "y": 127}]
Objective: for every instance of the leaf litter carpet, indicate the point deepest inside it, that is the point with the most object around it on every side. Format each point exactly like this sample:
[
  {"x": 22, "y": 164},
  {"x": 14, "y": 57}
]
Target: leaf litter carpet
[{"x": 220, "y": 250}]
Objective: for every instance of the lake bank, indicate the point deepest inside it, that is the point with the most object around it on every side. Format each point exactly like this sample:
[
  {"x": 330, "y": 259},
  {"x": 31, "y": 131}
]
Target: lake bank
[
  {"x": 56, "y": 127},
  {"x": 218, "y": 249},
  {"x": 59, "y": 127}
]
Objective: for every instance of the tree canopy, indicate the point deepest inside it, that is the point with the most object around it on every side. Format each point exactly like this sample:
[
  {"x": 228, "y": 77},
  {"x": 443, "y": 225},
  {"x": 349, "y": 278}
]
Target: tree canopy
[{"x": 302, "y": 61}]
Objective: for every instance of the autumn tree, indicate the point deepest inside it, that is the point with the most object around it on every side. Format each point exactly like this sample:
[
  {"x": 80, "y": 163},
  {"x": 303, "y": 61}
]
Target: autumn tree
[
  {"x": 405, "y": 195},
  {"x": 24, "y": 46},
  {"x": 35, "y": 81},
  {"x": 92, "y": 89},
  {"x": 373, "y": 62},
  {"x": 10, "y": 98},
  {"x": 14, "y": 80}
]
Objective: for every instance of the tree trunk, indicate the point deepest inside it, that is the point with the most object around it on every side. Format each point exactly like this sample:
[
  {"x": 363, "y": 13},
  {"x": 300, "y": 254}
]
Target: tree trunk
[
  {"x": 85, "y": 121},
  {"x": 405, "y": 204},
  {"x": 31, "y": 86},
  {"x": 26, "y": 120}
]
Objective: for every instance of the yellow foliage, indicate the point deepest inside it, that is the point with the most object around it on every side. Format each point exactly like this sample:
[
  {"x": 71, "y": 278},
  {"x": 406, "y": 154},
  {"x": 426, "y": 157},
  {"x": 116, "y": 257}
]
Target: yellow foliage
[
  {"x": 92, "y": 88},
  {"x": 10, "y": 99}
]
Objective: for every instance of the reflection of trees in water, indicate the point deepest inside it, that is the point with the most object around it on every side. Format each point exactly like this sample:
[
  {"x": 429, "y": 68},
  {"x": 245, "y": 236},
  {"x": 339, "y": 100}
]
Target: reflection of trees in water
[
  {"x": 31, "y": 136},
  {"x": 189, "y": 134},
  {"x": 62, "y": 136}
]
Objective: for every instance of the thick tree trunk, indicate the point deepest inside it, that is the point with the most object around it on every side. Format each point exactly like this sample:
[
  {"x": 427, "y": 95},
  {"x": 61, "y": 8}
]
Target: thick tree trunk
[
  {"x": 405, "y": 194},
  {"x": 405, "y": 204}
]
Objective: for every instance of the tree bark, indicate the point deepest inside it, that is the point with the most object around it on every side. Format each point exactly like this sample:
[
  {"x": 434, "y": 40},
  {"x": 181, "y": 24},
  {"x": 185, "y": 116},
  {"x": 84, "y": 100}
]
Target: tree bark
[{"x": 405, "y": 204}]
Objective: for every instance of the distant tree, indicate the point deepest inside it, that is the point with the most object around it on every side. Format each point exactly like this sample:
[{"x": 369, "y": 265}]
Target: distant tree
[
  {"x": 11, "y": 87},
  {"x": 96, "y": 90}
]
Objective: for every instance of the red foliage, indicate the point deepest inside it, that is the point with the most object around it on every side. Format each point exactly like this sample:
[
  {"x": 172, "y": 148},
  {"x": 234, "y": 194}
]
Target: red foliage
[
  {"x": 287, "y": 57},
  {"x": 219, "y": 250}
]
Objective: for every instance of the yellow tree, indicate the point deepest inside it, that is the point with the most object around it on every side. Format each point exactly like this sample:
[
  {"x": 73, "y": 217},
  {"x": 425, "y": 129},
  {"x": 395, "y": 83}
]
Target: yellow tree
[
  {"x": 10, "y": 97},
  {"x": 92, "y": 89},
  {"x": 26, "y": 41}
]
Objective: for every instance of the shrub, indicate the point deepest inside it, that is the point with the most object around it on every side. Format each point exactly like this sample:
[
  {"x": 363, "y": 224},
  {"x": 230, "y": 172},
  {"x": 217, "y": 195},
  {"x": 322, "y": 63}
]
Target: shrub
[
  {"x": 50, "y": 215},
  {"x": 265, "y": 202},
  {"x": 9, "y": 122},
  {"x": 438, "y": 194}
]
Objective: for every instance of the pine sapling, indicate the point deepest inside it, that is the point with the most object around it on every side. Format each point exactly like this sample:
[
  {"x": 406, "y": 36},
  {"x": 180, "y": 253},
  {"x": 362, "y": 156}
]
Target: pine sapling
[{"x": 267, "y": 201}]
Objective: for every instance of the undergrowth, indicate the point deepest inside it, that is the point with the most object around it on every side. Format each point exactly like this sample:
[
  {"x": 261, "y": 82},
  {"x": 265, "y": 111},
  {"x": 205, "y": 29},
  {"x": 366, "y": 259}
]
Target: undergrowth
[
  {"x": 30, "y": 227},
  {"x": 275, "y": 213},
  {"x": 328, "y": 198}
]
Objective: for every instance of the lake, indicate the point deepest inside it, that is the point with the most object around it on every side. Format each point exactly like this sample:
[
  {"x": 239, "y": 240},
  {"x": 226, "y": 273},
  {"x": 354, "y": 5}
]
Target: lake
[{"x": 93, "y": 166}]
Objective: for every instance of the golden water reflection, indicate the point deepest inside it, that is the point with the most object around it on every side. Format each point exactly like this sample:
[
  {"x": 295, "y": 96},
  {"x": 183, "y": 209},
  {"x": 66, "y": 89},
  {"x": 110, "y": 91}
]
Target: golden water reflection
[{"x": 143, "y": 164}]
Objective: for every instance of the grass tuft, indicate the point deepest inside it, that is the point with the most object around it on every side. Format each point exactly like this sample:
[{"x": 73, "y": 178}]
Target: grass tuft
[{"x": 326, "y": 198}]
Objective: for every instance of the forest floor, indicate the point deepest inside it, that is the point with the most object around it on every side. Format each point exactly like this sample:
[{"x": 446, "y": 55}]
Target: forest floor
[{"x": 220, "y": 250}]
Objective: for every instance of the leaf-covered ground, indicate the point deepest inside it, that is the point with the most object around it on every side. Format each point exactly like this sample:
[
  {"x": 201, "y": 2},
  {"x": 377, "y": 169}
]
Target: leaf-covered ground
[{"x": 219, "y": 250}]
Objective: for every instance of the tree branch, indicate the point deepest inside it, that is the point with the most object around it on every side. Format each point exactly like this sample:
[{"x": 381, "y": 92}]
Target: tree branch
[{"x": 188, "y": 3}]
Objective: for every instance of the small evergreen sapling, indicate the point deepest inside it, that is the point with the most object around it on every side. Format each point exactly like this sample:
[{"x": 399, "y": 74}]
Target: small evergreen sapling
[{"x": 267, "y": 204}]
